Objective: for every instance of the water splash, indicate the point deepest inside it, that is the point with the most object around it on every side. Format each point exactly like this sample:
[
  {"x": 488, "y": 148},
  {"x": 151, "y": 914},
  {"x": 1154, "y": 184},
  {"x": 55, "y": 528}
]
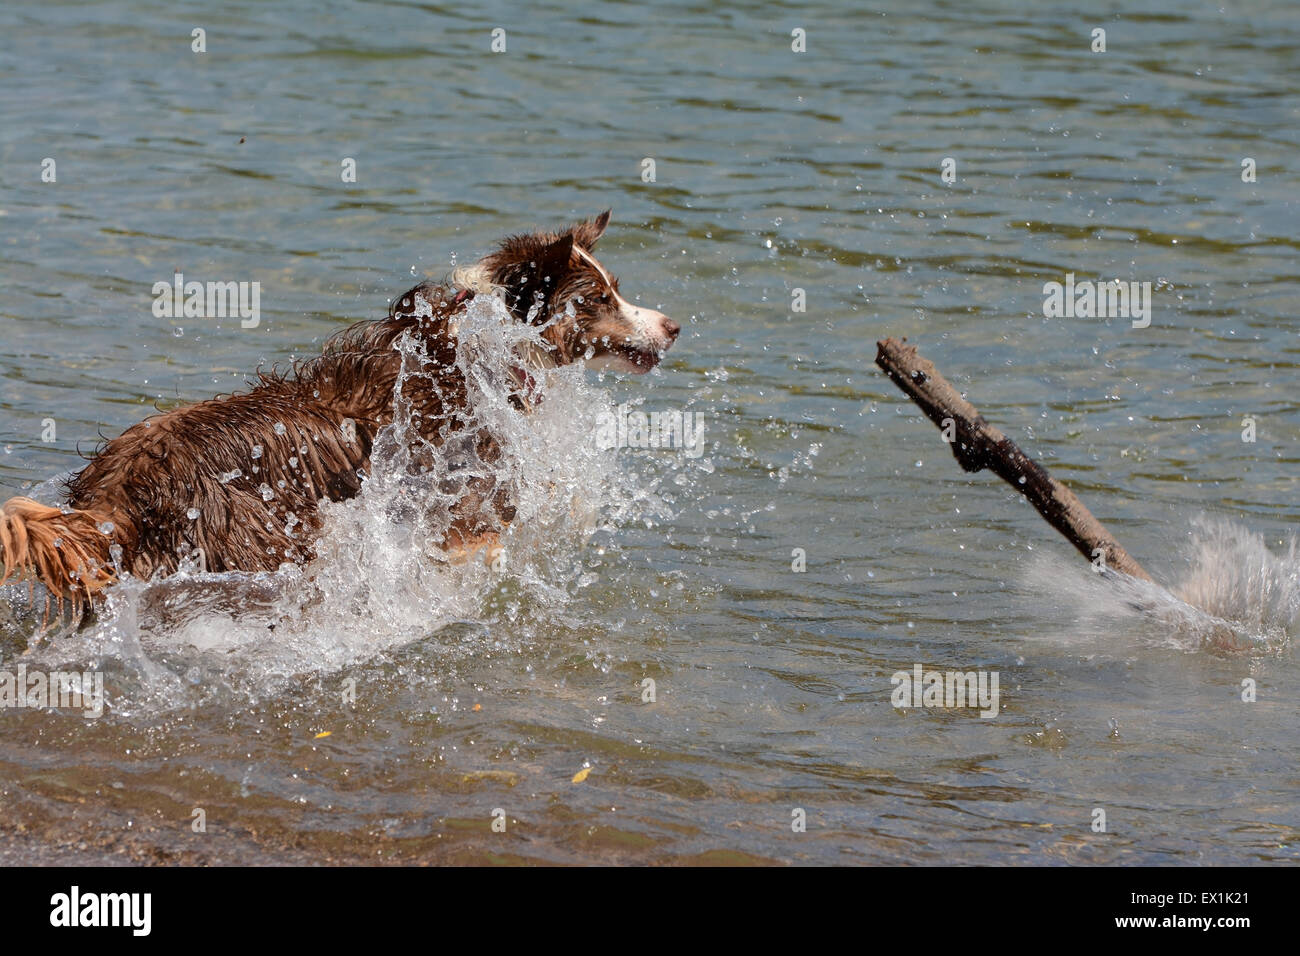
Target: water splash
[
  {"x": 1236, "y": 579},
  {"x": 379, "y": 581},
  {"x": 1234, "y": 595}
]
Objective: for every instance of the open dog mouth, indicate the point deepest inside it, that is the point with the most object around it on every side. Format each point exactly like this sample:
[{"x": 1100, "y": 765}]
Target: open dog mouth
[
  {"x": 640, "y": 360},
  {"x": 627, "y": 358},
  {"x": 643, "y": 359}
]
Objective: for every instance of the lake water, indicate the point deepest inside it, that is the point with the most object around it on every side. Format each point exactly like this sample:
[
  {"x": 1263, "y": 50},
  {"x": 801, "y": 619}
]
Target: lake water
[{"x": 398, "y": 711}]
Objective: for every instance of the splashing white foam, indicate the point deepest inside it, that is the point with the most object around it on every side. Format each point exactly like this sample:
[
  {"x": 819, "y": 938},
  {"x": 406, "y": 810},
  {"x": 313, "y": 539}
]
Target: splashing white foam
[
  {"x": 1235, "y": 578},
  {"x": 1235, "y": 595},
  {"x": 378, "y": 581}
]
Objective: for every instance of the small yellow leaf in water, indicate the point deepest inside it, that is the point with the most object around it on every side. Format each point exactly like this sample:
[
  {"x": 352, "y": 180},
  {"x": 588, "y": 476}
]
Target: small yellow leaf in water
[
  {"x": 581, "y": 775},
  {"x": 323, "y": 733},
  {"x": 477, "y": 708}
]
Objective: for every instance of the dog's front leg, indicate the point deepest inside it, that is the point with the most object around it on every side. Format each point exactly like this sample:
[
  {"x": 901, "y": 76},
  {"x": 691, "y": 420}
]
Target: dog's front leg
[{"x": 479, "y": 518}]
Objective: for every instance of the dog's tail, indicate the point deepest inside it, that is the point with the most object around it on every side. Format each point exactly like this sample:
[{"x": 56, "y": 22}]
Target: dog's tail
[{"x": 67, "y": 551}]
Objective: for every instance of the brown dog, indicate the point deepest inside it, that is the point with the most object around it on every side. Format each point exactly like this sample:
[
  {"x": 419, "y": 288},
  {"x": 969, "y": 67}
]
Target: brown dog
[{"x": 196, "y": 480}]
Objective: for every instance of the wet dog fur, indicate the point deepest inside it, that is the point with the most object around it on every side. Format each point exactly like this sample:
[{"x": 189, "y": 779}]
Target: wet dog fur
[{"x": 315, "y": 426}]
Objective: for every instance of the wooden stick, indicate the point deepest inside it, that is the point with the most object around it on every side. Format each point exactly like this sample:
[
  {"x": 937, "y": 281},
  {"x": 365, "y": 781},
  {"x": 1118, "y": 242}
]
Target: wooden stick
[{"x": 977, "y": 445}]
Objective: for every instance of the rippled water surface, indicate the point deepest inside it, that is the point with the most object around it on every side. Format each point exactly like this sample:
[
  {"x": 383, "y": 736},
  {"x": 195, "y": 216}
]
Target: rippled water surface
[{"x": 478, "y": 692}]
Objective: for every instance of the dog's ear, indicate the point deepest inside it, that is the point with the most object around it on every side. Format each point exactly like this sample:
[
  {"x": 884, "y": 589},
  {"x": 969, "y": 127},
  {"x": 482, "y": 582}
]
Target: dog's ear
[
  {"x": 535, "y": 280},
  {"x": 588, "y": 232}
]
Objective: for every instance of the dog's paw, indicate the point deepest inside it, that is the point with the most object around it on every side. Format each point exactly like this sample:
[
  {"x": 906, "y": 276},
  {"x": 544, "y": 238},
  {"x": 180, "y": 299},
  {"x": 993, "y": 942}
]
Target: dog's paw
[{"x": 488, "y": 544}]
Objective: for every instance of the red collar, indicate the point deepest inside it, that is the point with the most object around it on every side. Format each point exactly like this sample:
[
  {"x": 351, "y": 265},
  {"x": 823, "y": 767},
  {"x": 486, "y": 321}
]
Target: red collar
[{"x": 529, "y": 390}]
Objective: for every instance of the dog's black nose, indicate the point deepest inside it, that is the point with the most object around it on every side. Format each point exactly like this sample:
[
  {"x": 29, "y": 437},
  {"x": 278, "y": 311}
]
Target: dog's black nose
[{"x": 671, "y": 328}]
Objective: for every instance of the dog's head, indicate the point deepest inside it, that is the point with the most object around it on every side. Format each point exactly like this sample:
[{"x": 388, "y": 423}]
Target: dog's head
[{"x": 553, "y": 280}]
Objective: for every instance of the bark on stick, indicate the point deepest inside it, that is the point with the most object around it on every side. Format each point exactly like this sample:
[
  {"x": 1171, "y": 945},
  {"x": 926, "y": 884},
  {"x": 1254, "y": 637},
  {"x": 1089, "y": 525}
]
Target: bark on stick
[{"x": 977, "y": 445}]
